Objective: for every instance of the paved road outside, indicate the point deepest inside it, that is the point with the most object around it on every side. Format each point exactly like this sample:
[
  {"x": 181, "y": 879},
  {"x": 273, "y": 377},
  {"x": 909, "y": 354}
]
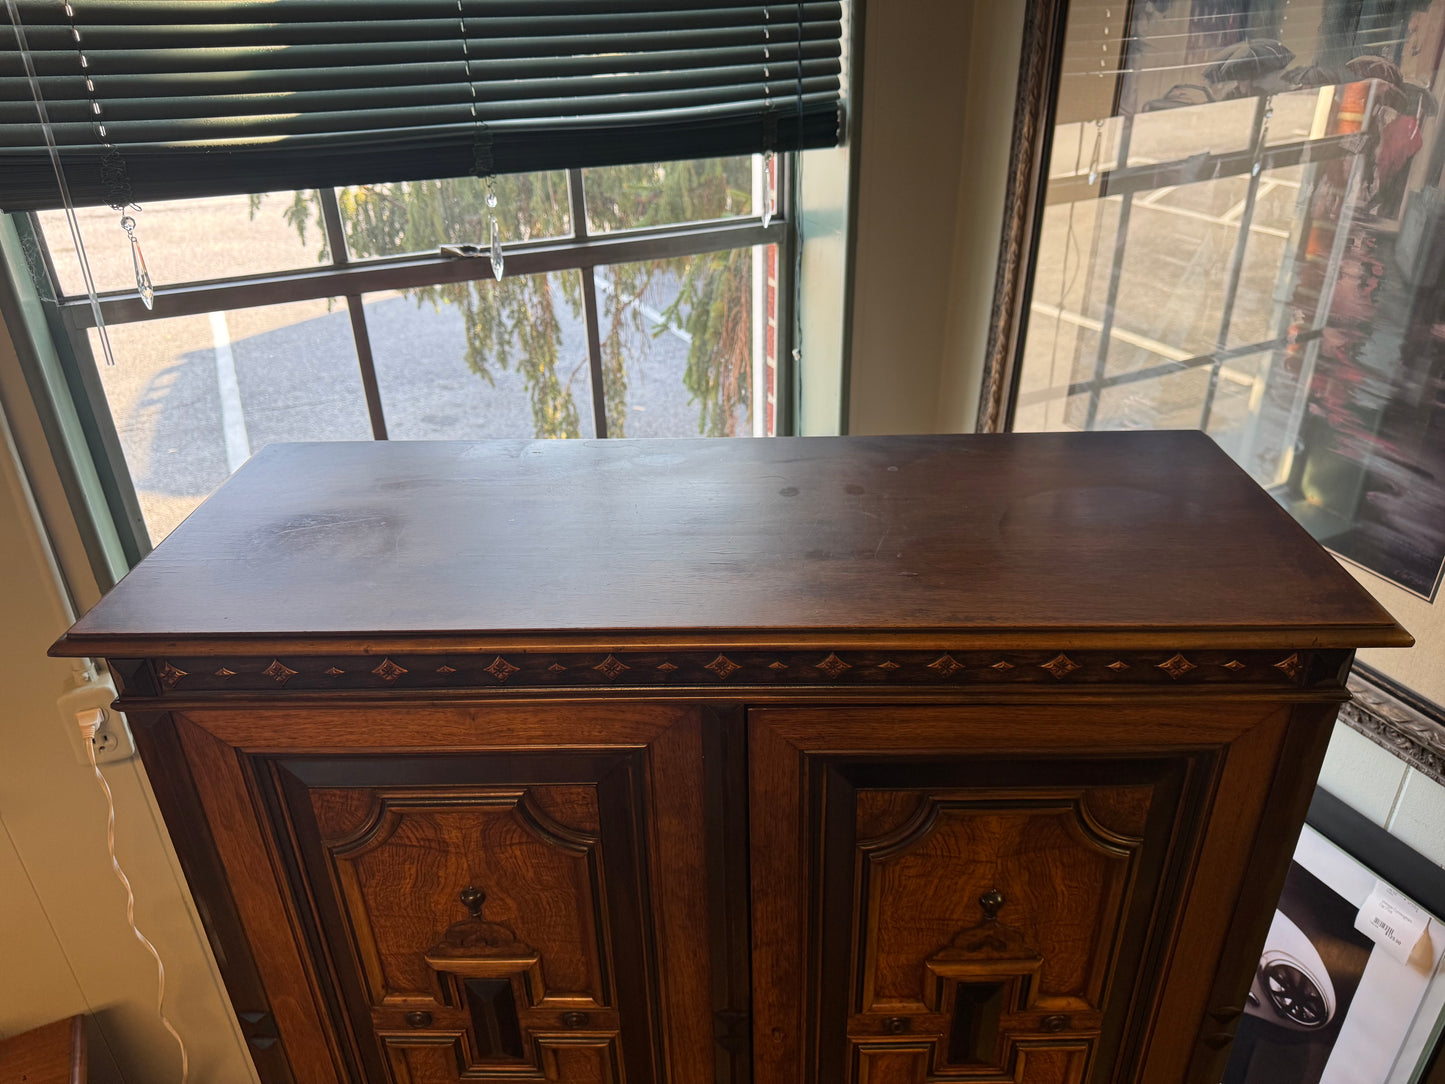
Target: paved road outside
[{"x": 192, "y": 396}]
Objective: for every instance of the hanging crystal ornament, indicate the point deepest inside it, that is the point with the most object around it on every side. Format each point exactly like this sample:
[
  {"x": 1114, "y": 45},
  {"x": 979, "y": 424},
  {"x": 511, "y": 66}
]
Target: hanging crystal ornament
[
  {"x": 495, "y": 249},
  {"x": 768, "y": 125},
  {"x": 1094, "y": 158},
  {"x": 112, "y": 169},
  {"x": 138, "y": 260},
  {"x": 770, "y": 189}
]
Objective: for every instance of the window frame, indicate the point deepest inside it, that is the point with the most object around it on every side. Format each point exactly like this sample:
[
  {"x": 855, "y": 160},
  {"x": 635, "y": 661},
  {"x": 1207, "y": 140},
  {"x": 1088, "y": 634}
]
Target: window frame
[{"x": 70, "y": 318}]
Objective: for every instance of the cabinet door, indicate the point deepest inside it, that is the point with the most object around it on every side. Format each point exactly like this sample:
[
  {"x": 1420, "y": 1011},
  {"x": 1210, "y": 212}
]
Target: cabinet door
[
  {"x": 533, "y": 911},
  {"x": 990, "y": 894}
]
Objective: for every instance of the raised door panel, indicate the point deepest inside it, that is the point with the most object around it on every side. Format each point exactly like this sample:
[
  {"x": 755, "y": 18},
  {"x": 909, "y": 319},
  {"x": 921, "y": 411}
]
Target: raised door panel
[
  {"x": 975, "y": 894},
  {"x": 482, "y": 910},
  {"x": 533, "y": 912}
]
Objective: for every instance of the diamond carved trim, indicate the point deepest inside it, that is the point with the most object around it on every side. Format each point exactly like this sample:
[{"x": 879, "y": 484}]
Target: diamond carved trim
[
  {"x": 1290, "y": 667},
  {"x": 279, "y": 672},
  {"x": 610, "y": 667},
  {"x": 389, "y": 671},
  {"x": 945, "y": 666},
  {"x": 1060, "y": 666},
  {"x": 723, "y": 667},
  {"x": 501, "y": 669},
  {"x": 896, "y": 667},
  {"x": 1177, "y": 666},
  {"x": 170, "y": 675}
]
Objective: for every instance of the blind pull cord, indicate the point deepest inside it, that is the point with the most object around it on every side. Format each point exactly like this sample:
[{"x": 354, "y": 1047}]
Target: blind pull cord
[
  {"x": 53, "y": 151},
  {"x": 770, "y": 124},
  {"x": 112, "y": 170}
]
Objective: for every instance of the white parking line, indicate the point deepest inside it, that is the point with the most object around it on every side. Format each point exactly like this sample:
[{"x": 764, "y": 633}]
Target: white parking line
[
  {"x": 233, "y": 421},
  {"x": 648, "y": 311}
]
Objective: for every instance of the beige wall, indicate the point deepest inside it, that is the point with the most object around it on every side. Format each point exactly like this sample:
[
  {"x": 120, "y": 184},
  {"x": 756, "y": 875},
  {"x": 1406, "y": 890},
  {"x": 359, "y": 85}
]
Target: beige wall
[
  {"x": 1421, "y": 667},
  {"x": 65, "y": 946},
  {"x": 937, "y": 110}
]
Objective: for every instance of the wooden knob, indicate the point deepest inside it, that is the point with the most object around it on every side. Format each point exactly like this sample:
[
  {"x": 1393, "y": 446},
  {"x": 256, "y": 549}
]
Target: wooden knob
[
  {"x": 991, "y": 901},
  {"x": 472, "y": 899},
  {"x": 895, "y": 1025},
  {"x": 1053, "y": 1023},
  {"x": 418, "y": 1019},
  {"x": 574, "y": 1019}
]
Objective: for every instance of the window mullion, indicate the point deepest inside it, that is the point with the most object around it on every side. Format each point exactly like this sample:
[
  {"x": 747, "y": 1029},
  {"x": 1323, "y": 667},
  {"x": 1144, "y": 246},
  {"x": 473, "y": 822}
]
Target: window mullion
[
  {"x": 335, "y": 231},
  {"x": 1111, "y": 296},
  {"x": 577, "y": 194},
  {"x": 361, "y": 337}
]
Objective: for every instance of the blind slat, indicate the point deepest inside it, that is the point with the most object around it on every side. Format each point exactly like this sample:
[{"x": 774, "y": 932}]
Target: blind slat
[
  {"x": 231, "y": 33},
  {"x": 70, "y": 87},
  {"x": 270, "y": 125},
  {"x": 492, "y": 95},
  {"x": 203, "y": 97}
]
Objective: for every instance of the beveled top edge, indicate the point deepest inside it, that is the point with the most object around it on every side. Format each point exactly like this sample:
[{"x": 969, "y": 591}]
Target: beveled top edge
[
  {"x": 70, "y": 645},
  {"x": 1098, "y": 539}
]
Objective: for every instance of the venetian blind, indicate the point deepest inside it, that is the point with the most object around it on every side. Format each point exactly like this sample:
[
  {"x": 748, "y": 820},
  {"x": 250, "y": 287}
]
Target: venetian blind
[{"x": 203, "y": 97}]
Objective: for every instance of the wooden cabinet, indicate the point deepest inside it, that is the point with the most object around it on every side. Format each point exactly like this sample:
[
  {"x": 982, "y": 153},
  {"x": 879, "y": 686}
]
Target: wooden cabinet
[{"x": 881, "y": 761}]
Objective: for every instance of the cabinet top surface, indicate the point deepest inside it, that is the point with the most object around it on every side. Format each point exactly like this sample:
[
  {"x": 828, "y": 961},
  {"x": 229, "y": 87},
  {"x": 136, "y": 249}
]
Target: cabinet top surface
[{"x": 1096, "y": 539}]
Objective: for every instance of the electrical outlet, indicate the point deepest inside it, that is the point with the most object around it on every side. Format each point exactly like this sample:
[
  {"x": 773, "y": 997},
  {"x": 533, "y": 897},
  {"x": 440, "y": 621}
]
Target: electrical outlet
[{"x": 94, "y": 693}]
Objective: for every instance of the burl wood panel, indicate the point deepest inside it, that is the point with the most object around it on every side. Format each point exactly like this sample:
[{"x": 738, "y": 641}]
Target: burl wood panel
[
  {"x": 498, "y": 915},
  {"x": 1063, "y": 876},
  {"x": 401, "y": 865},
  {"x": 994, "y": 902},
  {"x": 546, "y": 908}
]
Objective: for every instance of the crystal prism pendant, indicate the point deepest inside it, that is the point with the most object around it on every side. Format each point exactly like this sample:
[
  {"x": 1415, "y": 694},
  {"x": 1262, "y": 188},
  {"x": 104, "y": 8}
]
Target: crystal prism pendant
[
  {"x": 496, "y": 249},
  {"x": 142, "y": 274},
  {"x": 769, "y": 192}
]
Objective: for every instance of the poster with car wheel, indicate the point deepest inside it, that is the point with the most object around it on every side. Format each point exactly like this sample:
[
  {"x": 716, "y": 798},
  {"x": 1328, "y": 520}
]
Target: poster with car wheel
[{"x": 1348, "y": 980}]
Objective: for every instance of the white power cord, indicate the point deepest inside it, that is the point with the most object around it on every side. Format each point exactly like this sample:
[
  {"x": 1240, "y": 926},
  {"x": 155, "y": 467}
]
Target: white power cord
[{"x": 90, "y": 722}]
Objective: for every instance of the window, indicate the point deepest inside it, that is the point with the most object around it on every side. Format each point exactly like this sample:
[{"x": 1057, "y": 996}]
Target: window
[
  {"x": 331, "y": 314},
  {"x": 417, "y": 148},
  {"x": 1236, "y": 229}
]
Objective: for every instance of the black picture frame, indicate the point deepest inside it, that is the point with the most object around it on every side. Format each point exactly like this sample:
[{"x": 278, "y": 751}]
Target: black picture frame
[{"x": 1271, "y": 1048}]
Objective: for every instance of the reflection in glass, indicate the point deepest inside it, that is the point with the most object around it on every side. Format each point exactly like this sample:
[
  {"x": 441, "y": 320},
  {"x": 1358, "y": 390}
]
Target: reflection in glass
[
  {"x": 192, "y": 397},
  {"x": 630, "y": 197},
  {"x": 1268, "y": 266},
  {"x": 484, "y": 360},
  {"x": 420, "y": 216},
  {"x": 678, "y": 350},
  {"x": 188, "y": 240}
]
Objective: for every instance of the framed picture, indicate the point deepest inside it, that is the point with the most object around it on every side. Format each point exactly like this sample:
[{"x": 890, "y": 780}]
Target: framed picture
[
  {"x": 1350, "y": 987},
  {"x": 1229, "y": 215}
]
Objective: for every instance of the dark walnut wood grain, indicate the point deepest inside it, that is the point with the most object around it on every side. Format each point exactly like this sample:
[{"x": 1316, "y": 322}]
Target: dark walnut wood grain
[
  {"x": 1081, "y": 539},
  {"x": 823, "y": 761},
  {"x": 1083, "y": 836}
]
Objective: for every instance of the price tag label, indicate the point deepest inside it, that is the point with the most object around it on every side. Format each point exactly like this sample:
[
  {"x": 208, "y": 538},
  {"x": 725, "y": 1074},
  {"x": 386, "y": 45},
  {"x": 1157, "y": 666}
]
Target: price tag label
[{"x": 1393, "y": 921}]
